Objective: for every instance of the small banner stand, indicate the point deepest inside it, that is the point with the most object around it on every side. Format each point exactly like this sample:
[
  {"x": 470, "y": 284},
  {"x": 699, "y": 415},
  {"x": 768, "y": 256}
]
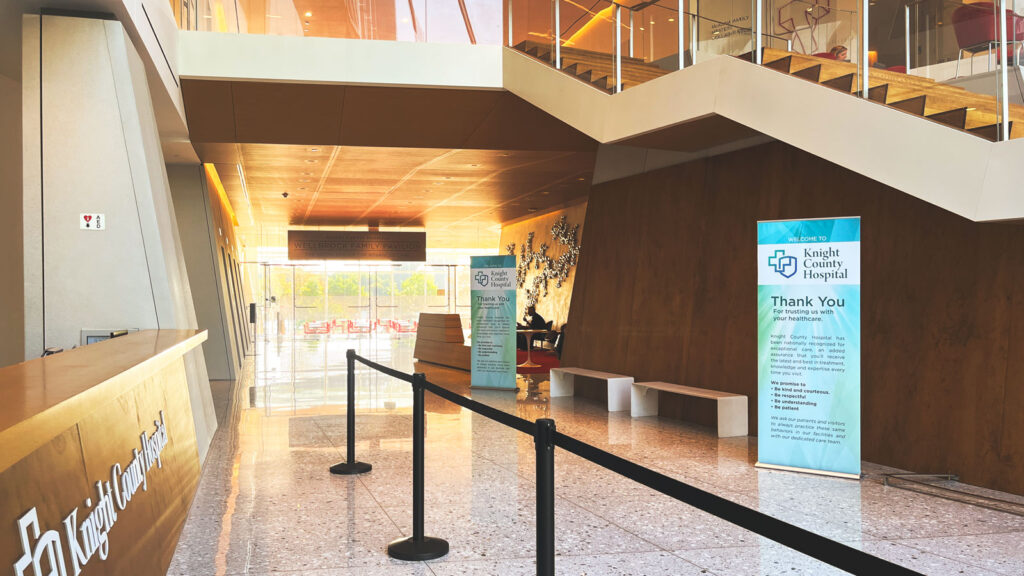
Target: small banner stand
[
  {"x": 808, "y": 345},
  {"x": 493, "y": 295}
]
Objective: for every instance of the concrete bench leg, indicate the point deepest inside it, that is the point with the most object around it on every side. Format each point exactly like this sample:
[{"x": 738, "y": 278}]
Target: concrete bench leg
[
  {"x": 561, "y": 384},
  {"x": 644, "y": 402},
  {"x": 619, "y": 390},
  {"x": 732, "y": 417}
]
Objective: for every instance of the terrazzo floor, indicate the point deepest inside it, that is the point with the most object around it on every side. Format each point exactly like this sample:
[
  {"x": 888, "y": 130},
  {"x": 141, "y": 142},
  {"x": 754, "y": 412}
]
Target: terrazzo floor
[{"x": 268, "y": 505}]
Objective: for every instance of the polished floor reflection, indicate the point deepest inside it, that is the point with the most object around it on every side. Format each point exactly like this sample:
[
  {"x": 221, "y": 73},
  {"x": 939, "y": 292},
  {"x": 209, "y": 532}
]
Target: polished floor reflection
[{"x": 267, "y": 504}]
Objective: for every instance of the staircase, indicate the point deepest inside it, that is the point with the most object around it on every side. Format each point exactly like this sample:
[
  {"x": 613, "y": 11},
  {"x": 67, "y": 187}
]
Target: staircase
[
  {"x": 594, "y": 68},
  {"x": 949, "y": 105}
]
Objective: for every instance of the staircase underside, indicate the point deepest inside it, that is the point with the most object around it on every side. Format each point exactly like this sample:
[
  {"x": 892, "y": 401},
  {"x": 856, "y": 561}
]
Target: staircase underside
[{"x": 725, "y": 101}]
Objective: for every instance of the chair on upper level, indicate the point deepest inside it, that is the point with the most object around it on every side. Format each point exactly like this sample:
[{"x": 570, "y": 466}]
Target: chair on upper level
[{"x": 976, "y": 28}]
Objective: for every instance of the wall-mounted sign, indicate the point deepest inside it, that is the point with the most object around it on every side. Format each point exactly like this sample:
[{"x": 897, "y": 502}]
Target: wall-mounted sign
[
  {"x": 92, "y": 222},
  {"x": 357, "y": 245},
  {"x": 493, "y": 295},
  {"x": 808, "y": 345},
  {"x": 43, "y": 550}
]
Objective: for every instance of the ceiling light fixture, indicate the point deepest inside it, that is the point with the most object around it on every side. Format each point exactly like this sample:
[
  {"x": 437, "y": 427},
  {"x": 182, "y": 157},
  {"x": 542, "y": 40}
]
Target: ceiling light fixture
[
  {"x": 309, "y": 14},
  {"x": 311, "y": 161}
]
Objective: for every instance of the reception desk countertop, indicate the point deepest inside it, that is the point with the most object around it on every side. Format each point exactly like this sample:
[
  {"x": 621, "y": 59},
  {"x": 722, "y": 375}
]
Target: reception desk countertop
[{"x": 39, "y": 398}]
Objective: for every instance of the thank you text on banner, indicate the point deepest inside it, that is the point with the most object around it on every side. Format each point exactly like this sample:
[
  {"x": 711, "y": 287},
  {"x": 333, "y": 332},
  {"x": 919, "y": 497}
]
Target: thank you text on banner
[
  {"x": 808, "y": 345},
  {"x": 493, "y": 281}
]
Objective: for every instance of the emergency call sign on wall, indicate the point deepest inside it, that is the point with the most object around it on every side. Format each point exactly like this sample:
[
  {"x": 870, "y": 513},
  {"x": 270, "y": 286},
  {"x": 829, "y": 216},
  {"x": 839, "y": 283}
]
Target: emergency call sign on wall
[{"x": 92, "y": 222}]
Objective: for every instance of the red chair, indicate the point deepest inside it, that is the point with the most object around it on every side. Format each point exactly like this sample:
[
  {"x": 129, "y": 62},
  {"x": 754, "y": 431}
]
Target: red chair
[
  {"x": 977, "y": 28},
  {"x": 828, "y": 55},
  {"x": 901, "y": 69}
]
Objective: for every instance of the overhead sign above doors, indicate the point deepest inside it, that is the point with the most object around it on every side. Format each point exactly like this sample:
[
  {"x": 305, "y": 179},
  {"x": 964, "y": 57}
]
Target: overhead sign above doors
[{"x": 357, "y": 245}]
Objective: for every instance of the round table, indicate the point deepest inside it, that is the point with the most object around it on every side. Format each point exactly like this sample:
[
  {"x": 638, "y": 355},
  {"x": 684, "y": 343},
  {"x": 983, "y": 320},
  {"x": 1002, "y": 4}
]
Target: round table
[{"x": 529, "y": 332}]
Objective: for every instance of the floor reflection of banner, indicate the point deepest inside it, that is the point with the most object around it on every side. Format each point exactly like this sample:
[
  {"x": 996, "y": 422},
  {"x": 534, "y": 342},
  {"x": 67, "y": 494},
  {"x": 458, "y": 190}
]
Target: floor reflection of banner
[
  {"x": 808, "y": 340},
  {"x": 493, "y": 282}
]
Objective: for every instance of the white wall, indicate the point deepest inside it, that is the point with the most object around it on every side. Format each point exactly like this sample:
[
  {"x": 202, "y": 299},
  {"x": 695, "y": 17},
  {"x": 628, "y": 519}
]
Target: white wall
[
  {"x": 91, "y": 146},
  {"x": 202, "y": 257}
]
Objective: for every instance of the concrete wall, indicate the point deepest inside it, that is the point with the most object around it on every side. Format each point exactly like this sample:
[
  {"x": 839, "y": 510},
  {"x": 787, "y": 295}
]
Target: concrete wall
[
  {"x": 12, "y": 336},
  {"x": 91, "y": 146},
  {"x": 202, "y": 225}
]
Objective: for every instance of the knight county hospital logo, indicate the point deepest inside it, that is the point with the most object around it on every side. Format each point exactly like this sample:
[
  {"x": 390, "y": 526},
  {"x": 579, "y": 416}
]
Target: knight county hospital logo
[
  {"x": 784, "y": 265},
  {"x": 482, "y": 278}
]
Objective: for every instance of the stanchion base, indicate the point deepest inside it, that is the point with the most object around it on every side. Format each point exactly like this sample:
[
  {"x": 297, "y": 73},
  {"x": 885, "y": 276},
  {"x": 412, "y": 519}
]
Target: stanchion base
[
  {"x": 349, "y": 468},
  {"x": 411, "y": 550}
]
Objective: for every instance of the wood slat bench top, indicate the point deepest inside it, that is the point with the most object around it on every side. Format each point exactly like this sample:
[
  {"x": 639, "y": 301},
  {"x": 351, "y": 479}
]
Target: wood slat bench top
[
  {"x": 687, "y": 390},
  {"x": 589, "y": 373}
]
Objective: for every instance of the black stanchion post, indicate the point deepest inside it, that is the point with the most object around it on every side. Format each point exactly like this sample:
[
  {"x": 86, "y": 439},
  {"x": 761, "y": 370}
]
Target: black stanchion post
[
  {"x": 418, "y": 547},
  {"x": 351, "y": 466},
  {"x": 544, "y": 442}
]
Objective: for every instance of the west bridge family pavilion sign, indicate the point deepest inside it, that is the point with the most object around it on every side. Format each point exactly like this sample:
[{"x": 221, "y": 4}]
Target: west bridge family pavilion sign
[{"x": 808, "y": 345}]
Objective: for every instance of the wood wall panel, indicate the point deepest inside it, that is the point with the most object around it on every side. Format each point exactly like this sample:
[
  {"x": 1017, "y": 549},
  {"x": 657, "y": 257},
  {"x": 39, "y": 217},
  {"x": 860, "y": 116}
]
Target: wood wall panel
[
  {"x": 102, "y": 424},
  {"x": 666, "y": 290}
]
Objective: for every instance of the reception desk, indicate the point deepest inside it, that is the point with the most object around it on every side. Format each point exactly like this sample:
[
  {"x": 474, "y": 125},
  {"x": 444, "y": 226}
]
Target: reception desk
[{"x": 98, "y": 457}]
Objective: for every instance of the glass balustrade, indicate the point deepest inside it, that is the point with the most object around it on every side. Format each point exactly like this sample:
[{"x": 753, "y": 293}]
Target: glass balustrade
[
  {"x": 955, "y": 62},
  {"x": 436, "y": 21}
]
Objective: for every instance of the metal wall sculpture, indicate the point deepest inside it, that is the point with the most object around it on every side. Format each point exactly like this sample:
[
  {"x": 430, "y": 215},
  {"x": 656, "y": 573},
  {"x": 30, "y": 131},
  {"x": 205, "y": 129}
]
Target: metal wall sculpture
[{"x": 549, "y": 268}]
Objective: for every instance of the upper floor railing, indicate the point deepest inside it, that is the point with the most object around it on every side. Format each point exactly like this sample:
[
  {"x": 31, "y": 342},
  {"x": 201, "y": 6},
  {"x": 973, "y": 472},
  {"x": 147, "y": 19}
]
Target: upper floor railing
[{"x": 977, "y": 46}]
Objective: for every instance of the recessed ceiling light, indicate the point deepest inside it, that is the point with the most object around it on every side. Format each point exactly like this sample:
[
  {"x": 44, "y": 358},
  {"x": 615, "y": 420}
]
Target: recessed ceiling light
[
  {"x": 311, "y": 161},
  {"x": 581, "y": 178},
  {"x": 302, "y": 188},
  {"x": 545, "y": 193},
  {"x": 309, "y": 14},
  {"x": 531, "y": 209},
  {"x": 307, "y": 173},
  {"x": 314, "y": 149},
  {"x": 474, "y": 165},
  {"x": 303, "y": 179},
  {"x": 671, "y": 19}
]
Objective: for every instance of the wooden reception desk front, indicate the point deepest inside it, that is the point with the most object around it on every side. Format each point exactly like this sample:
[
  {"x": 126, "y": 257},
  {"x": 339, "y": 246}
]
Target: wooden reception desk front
[{"x": 98, "y": 457}]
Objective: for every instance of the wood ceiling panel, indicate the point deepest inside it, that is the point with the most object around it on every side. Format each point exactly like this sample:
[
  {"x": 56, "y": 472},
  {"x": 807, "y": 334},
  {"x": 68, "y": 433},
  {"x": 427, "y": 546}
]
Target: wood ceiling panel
[
  {"x": 208, "y": 111},
  {"x": 267, "y": 112},
  {"x": 693, "y": 136},
  {"x": 414, "y": 117},
  {"x": 516, "y": 124},
  {"x": 452, "y": 193}
]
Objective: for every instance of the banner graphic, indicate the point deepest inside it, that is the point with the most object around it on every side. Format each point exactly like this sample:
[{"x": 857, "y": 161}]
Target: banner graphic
[
  {"x": 808, "y": 345},
  {"x": 493, "y": 295}
]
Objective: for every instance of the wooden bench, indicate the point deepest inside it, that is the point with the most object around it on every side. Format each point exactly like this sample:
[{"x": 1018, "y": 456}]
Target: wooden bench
[
  {"x": 563, "y": 383},
  {"x": 732, "y": 408}
]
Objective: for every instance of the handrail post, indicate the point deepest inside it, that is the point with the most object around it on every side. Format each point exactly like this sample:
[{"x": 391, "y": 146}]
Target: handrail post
[
  {"x": 680, "y": 28},
  {"x": 618, "y": 48},
  {"x": 558, "y": 35},
  {"x": 1003, "y": 80},
  {"x": 418, "y": 547},
  {"x": 351, "y": 466},
  {"x": 544, "y": 442},
  {"x": 906, "y": 32},
  {"x": 631, "y": 36},
  {"x": 509, "y": 23},
  {"x": 864, "y": 63},
  {"x": 758, "y": 6}
]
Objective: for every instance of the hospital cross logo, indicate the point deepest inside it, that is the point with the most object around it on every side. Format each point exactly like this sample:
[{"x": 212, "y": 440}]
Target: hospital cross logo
[
  {"x": 784, "y": 265},
  {"x": 482, "y": 278}
]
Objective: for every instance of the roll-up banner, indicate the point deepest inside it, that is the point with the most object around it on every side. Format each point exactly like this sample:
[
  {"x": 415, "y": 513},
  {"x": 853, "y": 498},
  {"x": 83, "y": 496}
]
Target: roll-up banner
[
  {"x": 493, "y": 295},
  {"x": 808, "y": 345}
]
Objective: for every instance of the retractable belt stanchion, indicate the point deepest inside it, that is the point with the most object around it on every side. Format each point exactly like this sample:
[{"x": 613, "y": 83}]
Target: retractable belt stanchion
[
  {"x": 544, "y": 441},
  {"x": 351, "y": 466},
  {"x": 418, "y": 547}
]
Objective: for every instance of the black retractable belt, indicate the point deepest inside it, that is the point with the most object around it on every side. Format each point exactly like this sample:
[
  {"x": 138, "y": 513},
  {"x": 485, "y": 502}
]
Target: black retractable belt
[{"x": 546, "y": 437}]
